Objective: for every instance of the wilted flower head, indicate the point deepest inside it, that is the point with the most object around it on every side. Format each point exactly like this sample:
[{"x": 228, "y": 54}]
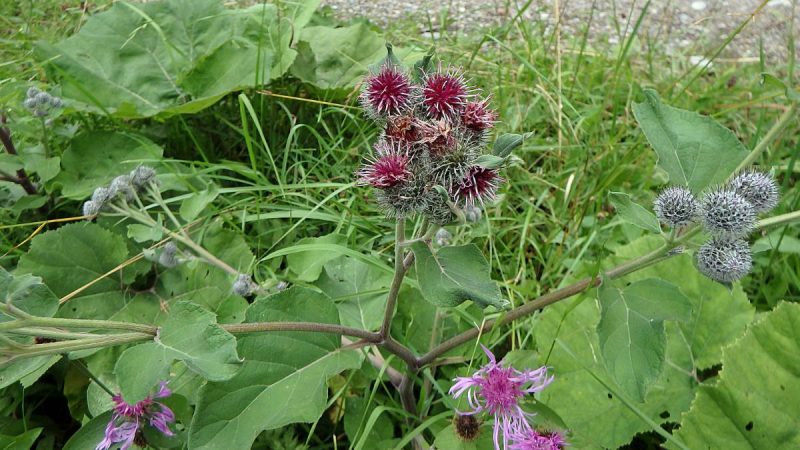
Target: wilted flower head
[
  {"x": 401, "y": 128},
  {"x": 498, "y": 390},
  {"x": 724, "y": 259},
  {"x": 128, "y": 420},
  {"x": 389, "y": 168},
  {"x": 758, "y": 188},
  {"x": 388, "y": 91},
  {"x": 477, "y": 115},
  {"x": 675, "y": 206},
  {"x": 726, "y": 213},
  {"x": 437, "y": 135},
  {"x": 478, "y": 184},
  {"x": 532, "y": 439},
  {"x": 444, "y": 94}
]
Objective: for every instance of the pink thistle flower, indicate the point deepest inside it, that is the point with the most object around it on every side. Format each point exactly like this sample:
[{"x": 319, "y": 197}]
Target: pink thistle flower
[
  {"x": 477, "y": 116},
  {"x": 388, "y": 91},
  {"x": 444, "y": 94},
  {"x": 388, "y": 169},
  {"x": 478, "y": 183},
  {"x": 127, "y": 420},
  {"x": 497, "y": 390},
  {"x": 531, "y": 439}
]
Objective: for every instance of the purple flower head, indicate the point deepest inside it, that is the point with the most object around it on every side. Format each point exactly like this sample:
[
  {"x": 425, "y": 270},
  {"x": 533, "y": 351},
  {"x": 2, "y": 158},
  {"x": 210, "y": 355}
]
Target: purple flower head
[
  {"x": 497, "y": 390},
  {"x": 127, "y": 420},
  {"x": 531, "y": 439},
  {"x": 386, "y": 92},
  {"x": 444, "y": 94},
  {"x": 477, "y": 116},
  {"x": 388, "y": 168}
]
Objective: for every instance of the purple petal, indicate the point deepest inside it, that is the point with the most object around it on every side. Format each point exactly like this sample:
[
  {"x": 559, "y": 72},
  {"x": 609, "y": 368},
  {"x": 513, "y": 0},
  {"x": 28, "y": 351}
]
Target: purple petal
[{"x": 163, "y": 390}]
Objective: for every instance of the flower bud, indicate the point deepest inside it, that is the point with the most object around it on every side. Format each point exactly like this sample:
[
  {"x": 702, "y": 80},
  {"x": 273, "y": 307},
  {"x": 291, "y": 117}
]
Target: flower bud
[
  {"x": 142, "y": 176},
  {"x": 442, "y": 238},
  {"x": 30, "y": 103},
  {"x": 244, "y": 285},
  {"x": 473, "y": 213},
  {"x": 467, "y": 427},
  {"x": 726, "y": 213},
  {"x": 101, "y": 195},
  {"x": 91, "y": 208},
  {"x": 758, "y": 188},
  {"x": 675, "y": 207},
  {"x": 122, "y": 186},
  {"x": 32, "y": 92},
  {"x": 168, "y": 257},
  {"x": 724, "y": 259}
]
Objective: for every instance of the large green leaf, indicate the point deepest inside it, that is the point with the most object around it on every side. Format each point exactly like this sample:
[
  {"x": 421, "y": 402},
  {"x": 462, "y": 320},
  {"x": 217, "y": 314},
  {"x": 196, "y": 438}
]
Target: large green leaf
[
  {"x": 167, "y": 57},
  {"x": 359, "y": 290},
  {"x": 23, "y": 441},
  {"x": 694, "y": 150},
  {"x": 90, "y": 434},
  {"x": 631, "y": 330},
  {"x": 454, "y": 275},
  {"x": 74, "y": 255},
  {"x": 337, "y": 58},
  {"x": 94, "y": 158},
  {"x": 283, "y": 378},
  {"x": 593, "y": 413},
  {"x": 755, "y": 402},
  {"x": 135, "y": 383}
]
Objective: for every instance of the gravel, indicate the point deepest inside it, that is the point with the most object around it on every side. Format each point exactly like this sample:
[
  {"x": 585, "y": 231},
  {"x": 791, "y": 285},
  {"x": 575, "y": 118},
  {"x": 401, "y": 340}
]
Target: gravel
[{"x": 693, "y": 29}]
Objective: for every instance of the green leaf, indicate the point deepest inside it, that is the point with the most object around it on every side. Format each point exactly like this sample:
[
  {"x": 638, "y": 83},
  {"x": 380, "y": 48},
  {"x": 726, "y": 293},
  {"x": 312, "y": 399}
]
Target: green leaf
[
  {"x": 144, "y": 233},
  {"x": 755, "y": 401},
  {"x": 359, "y": 290},
  {"x": 197, "y": 202},
  {"x": 90, "y": 434},
  {"x": 22, "y": 368},
  {"x": 337, "y": 58},
  {"x": 74, "y": 255},
  {"x": 307, "y": 265},
  {"x": 631, "y": 330},
  {"x": 454, "y": 275},
  {"x": 168, "y": 57},
  {"x": 634, "y": 213},
  {"x": 95, "y": 158},
  {"x": 507, "y": 143},
  {"x": 694, "y": 150},
  {"x": 23, "y": 441},
  {"x": 45, "y": 168},
  {"x": 768, "y": 79},
  {"x": 594, "y": 414},
  {"x": 283, "y": 378},
  {"x": 27, "y": 293},
  {"x": 139, "y": 369},
  {"x": 191, "y": 334}
]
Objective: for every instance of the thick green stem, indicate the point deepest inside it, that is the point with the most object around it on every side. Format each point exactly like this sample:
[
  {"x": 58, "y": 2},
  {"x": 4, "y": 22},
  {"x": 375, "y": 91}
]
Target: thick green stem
[
  {"x": 397, "y": 281},
  {"x": 783, "y": 219},
  {"x": 55, "y": 322},
  {"x": 56, "y": 348}
]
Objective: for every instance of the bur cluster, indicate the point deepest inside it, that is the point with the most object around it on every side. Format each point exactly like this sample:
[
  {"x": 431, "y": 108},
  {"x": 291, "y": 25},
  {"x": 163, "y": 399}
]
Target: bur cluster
[
  {"x": 728, "y": 213},
  {"x": 435, "y": 126},
  {"x": 40, "y": 103},
  {"x": 122, "y": 187}
]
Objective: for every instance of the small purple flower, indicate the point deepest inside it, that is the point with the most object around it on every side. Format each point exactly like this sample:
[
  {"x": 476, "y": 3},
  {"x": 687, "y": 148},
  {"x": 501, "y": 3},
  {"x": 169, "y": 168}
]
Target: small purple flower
[
  {"x": 126, "y": 421},
  {"x": 531, "y": 439},
  {"x": 498, "y": 390}
]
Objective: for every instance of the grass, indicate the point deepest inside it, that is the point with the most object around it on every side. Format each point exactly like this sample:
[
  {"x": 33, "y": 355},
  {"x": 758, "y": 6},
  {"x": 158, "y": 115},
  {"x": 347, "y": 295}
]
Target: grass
[{"x": 286, "y": 163}]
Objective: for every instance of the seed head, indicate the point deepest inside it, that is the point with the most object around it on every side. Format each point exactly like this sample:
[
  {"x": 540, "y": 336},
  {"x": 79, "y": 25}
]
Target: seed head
[
  {"x": 726, "y": 213},
  {"x": 758, "y": 188},
  {"x": 387, "y": 92},
  {"x": 142, "y": 176},
  {"x": 389, "y": 168},
  {"x": 444, "y": 94},
  {"x": 724, "y": 259},
  {"x": 477, "y": 116},
  {"x": 675, "y": 206},
  {"x": 478, "y": 184}
]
